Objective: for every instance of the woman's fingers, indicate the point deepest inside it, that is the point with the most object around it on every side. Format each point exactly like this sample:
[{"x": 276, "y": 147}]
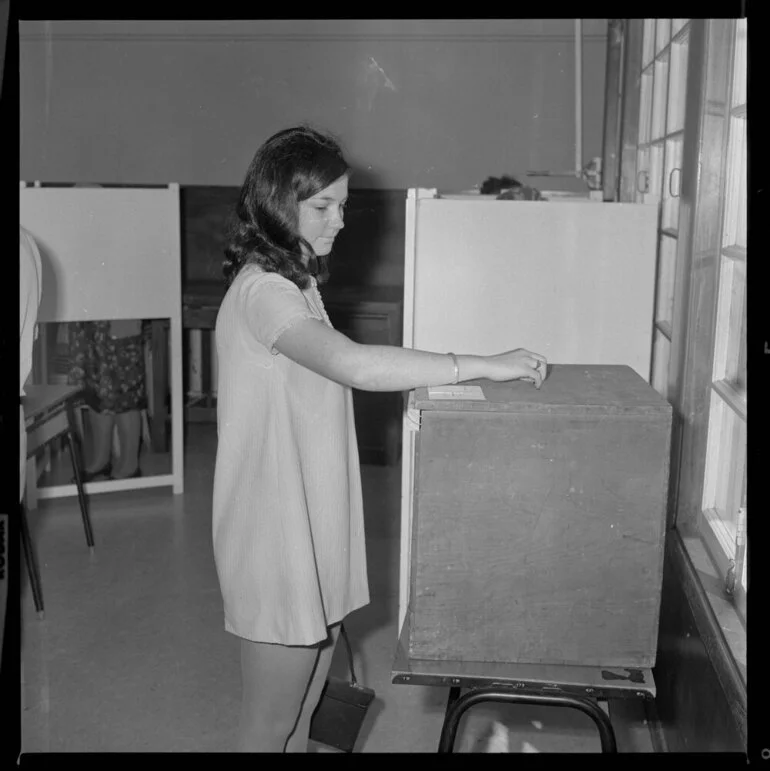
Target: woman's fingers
[
  {"x": 537, "y": 357},
  {"x": 530, "y": 362},
  {"x": 540, "y": 366}
]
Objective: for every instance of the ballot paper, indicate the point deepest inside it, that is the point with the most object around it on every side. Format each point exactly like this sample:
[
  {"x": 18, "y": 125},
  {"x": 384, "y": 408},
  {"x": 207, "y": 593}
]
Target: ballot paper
[{"x": 471, "y": 392}]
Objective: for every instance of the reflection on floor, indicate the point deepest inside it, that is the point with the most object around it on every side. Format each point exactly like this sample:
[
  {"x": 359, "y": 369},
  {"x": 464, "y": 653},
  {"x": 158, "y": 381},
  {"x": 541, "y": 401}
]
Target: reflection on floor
[{"x": 132, "y": 656}]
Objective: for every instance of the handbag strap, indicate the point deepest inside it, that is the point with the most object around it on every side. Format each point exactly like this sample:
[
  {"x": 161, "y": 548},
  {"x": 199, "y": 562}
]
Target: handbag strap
[{"x": 349, "y": 650}]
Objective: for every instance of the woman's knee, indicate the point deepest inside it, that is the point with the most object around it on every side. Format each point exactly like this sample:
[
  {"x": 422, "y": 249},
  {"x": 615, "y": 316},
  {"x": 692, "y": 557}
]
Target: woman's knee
[{"x": 275, "y": 681}]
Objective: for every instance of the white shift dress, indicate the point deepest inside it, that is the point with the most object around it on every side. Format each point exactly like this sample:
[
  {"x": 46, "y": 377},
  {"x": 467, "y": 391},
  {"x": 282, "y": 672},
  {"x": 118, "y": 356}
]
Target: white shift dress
[{"x": 288, "y": 527}]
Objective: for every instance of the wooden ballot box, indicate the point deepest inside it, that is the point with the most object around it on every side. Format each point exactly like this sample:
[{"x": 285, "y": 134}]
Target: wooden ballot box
[{"x": 539, "y": 520}]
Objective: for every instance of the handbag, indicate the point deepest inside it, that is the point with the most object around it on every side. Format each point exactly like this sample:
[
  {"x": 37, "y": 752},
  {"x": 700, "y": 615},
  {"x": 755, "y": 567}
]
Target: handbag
[{"x": 342, "y": 708}]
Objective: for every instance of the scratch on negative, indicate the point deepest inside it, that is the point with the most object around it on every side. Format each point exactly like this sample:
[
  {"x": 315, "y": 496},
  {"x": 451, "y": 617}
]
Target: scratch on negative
[
  {"x": 374, "y": 65},
  {"x": 542, "y": 508},
  {"x": 640, "y": 540}
]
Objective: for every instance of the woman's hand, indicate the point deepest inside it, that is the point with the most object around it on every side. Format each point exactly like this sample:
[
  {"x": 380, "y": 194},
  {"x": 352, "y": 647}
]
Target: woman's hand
[{"x": 520, "y": 364}]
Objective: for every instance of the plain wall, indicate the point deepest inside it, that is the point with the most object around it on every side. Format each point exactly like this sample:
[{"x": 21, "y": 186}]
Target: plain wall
[{"x": 416, "y": 103}]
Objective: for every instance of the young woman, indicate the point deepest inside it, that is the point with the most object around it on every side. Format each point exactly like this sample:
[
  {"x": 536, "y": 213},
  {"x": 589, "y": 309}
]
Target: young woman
[{"x": 287, "y": 509}]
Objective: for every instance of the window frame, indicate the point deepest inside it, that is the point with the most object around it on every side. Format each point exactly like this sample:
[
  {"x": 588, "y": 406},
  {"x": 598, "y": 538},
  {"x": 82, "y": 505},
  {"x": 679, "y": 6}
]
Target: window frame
[{"x": 700, "y": 256}]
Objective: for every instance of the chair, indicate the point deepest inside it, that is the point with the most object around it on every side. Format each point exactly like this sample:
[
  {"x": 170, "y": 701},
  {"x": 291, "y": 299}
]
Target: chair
[{"x": 49, "y": 412}]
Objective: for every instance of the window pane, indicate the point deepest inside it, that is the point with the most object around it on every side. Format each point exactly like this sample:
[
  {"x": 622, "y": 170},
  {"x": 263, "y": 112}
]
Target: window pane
[
  {"x": 740, "y": 370},
  {"x": 730, "y": 335},
  {"x": 677, "y": 24},
  {"x": 642, "y": 175},
  {"x": 677, "y": 85},
  {"x": 660, "y": 96},
  {"x": 741, "y": 555},
  {"x": 648, "y": 48},
  {"x": 664, "y": 302},
  {"x": 672, "y": 183},
  {"x": 745, "y": 573},
  {"x": 734, "y": 233},
  {"x": 656, "y": 170},
  {"x": 707, "y": 233},
  {"x": 645, "y": 107},
  {"x": 725, "y": 469},
  {"x": 662, "y": 34},
  {"x": 739, "y": 71},
  {"x": 661, "y": 350},
  {"x": 718, "y": 65}
]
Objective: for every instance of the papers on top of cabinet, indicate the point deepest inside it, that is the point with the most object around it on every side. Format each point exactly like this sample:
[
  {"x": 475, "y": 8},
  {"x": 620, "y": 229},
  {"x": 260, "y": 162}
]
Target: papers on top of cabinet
[{"x": 470, "y": 392}]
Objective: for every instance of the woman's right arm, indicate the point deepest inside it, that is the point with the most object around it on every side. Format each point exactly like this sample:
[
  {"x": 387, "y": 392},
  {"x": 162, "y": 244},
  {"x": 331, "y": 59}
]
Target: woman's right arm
[{"x": 327, "y": 352}]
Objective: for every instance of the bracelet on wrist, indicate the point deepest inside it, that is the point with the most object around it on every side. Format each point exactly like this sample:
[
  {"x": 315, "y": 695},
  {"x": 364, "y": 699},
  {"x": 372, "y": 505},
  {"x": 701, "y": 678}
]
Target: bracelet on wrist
[{"x": 457, "y": 368}]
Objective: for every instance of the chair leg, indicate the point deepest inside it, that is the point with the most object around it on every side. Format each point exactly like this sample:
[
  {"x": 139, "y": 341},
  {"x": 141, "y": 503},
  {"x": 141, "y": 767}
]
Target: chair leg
[
  {"x": 458, "y": 707},
  {"x": 29, "y": 555},
  {"x": 449, "y": 728},
  {"x": 74, "y": 447},
  {"x": 454, "y": 694}
]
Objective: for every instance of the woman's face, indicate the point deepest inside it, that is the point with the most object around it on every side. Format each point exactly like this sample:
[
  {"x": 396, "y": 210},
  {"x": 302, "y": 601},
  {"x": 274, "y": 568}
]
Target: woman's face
[{"x": 320, "y": 217}]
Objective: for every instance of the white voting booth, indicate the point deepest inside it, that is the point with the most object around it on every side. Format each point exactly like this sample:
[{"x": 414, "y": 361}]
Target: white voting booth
[{"x": 111, "y": 254}]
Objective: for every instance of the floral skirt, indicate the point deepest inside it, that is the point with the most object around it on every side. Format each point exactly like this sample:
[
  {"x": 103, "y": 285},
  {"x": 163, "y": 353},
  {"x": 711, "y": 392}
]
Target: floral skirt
[{"x": 110, "y": 370}]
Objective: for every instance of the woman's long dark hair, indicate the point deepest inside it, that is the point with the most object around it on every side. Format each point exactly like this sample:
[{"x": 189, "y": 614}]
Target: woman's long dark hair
[{"x": 292, "y": 166}]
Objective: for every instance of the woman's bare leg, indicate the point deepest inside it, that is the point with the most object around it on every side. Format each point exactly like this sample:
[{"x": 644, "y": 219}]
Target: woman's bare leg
[
  {"x": 275, "y": 681},
  {"x": 101, "y": 424},
  {"x": 129, "y": 432},
  {"x": 298, "y": 741}
]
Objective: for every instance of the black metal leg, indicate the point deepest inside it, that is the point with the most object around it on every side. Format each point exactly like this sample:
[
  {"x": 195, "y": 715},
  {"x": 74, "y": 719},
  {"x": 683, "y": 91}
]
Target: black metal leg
[
  {"x": 452, "y": 699},
  {"x": 456, "y": 710},
  {"x": 454, "y": 695},
  {"x": 29, "y": 555},
  {"x": 74, "y": 447}
]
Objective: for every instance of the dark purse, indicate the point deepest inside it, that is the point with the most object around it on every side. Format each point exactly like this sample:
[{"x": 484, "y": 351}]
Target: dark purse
[{"x": 341, "y": 710}]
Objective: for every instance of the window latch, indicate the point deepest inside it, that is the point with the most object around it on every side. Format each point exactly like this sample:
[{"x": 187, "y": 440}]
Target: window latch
[
  {"x": 730, "y": 579},
  {"x": 740, "y": 539}
]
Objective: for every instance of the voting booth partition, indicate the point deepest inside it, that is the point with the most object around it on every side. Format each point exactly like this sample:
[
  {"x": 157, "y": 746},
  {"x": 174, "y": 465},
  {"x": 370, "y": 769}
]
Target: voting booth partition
[{"x": 111, "y": 254}]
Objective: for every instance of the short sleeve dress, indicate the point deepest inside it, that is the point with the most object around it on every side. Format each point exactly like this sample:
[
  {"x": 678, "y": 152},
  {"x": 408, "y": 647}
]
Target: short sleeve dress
[{"x": 288, "y": 530}]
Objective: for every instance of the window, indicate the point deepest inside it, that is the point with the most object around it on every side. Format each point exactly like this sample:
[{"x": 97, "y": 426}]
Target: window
[
  {"x": 659, "y": 164},
  {"x": 684, "y": 148},
  {"x": 722, "y": 523}
]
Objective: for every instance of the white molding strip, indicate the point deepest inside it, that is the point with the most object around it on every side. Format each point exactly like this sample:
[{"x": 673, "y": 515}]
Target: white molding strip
[
  {"x": 62, "y": 36},
  {"x": 109, "y": 486}
]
